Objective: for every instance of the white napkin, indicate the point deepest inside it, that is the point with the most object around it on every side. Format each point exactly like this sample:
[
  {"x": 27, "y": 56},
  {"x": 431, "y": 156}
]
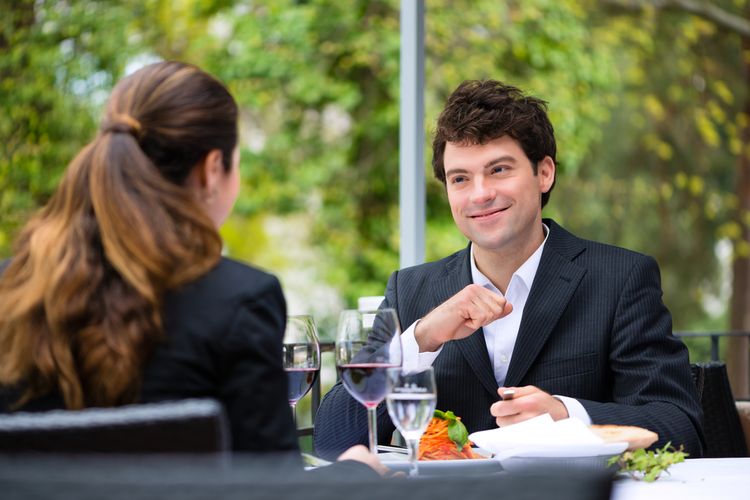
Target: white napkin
[{"x": 543, "y": 437}]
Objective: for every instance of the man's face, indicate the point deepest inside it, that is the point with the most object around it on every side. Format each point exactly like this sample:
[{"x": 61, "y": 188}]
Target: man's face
[{"x": 495, "y": 197}]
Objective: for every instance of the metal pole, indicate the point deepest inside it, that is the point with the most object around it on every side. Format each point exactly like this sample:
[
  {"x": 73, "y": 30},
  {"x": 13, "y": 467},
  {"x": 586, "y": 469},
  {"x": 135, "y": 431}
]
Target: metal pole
[
  {"x": 411, "y": 136},
  {"x": 714, "y": 348}
]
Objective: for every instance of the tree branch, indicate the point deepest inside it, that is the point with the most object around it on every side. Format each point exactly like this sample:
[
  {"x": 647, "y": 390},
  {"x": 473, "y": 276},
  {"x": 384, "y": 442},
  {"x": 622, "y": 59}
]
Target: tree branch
[{"x": 717, "y": 15}]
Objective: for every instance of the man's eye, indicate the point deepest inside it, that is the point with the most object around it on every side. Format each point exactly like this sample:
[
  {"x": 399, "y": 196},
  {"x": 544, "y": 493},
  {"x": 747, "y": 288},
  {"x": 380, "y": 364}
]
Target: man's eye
[
  {"x": 498, "y": 169},
  {"x": 458, "y": 179}
]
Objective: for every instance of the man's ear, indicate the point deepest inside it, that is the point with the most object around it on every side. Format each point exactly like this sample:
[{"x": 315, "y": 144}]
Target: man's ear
[{"x": 546, "y": 173}]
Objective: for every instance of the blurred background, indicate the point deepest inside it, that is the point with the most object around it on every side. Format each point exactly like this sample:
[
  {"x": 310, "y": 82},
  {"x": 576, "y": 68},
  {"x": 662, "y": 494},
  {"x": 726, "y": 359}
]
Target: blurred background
[{"x": 650, "y": 101}]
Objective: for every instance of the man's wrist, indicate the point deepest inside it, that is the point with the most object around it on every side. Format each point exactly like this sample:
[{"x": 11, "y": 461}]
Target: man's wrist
[
  {"x": 424, "y": 341},
  {"x": 574, "y": 408},
  {"x": 412, "y": 358}
]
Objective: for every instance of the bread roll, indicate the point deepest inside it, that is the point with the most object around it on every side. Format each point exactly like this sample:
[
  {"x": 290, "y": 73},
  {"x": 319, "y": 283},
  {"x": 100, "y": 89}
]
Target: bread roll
[{"x": 636, "y": 437}]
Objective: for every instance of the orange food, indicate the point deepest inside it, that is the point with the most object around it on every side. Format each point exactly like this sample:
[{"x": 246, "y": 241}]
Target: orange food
[{"x": 437, "y": 445}]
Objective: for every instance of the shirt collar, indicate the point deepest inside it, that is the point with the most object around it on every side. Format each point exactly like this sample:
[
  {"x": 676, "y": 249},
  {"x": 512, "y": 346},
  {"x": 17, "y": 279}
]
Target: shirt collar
[{"x": 525, "y": 273}]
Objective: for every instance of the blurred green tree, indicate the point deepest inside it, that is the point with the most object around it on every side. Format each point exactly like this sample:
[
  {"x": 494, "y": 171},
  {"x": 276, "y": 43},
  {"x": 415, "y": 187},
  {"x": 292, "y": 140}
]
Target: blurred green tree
[
  {"x": 58, "y": 62},
  {"x": 689, "y": 106}
]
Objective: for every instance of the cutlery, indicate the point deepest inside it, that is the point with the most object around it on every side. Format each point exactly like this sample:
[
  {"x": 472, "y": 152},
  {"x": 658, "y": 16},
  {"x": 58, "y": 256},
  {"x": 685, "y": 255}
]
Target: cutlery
[{"x": 394, "y": 449}]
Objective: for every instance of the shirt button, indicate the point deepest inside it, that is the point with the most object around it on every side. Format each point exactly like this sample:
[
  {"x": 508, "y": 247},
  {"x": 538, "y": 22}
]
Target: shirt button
[{"x": 504, "y": 358}]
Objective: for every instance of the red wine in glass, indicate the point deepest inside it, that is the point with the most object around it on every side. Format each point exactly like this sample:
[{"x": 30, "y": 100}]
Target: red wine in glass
[
  {"x": 367, "y": 344},
  {"x": 365, "y": 381},
  {"x": 300, "y": 382},
  {"x": 301, "y": 357}
]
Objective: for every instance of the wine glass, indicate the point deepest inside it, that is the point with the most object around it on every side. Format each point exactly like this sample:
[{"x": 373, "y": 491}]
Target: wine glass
[
  {"x": 301, "y": 354},
  {"x": 367, "y": 344},
  {"x": 411, "y": 399}
]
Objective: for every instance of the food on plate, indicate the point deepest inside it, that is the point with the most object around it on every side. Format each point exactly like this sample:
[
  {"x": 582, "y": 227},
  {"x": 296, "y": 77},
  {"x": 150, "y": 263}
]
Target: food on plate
[
  {"x": 647, "y": 466},
  {"x": 636, "y": 437},
  {"x": 445, "y": 438}
]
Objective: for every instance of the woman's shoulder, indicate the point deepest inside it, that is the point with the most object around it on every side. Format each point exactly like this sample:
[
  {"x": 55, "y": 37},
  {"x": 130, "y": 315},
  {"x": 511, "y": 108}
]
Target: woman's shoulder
[
  {"x": 214, "y": 302},
  {"x": 229, "y": 281},
  {"x": 237, "y": 272}
]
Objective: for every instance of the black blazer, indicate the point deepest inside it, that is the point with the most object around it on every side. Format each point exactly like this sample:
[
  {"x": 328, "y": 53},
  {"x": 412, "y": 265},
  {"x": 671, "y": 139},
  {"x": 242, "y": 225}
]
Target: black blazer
[
  {"x": 223, "y": 339},
  {"x": 594, "y": 328}
]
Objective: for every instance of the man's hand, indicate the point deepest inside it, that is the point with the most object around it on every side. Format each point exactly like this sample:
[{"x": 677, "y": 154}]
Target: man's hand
[
  {"x": 361, "y": 454},
  {"x": 460, "y": 316},
  {"x": 527, "y": 402}
]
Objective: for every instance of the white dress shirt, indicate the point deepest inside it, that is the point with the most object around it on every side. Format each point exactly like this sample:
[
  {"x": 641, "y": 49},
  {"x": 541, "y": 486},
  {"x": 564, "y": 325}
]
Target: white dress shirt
[{"x": 500, "y": 335}]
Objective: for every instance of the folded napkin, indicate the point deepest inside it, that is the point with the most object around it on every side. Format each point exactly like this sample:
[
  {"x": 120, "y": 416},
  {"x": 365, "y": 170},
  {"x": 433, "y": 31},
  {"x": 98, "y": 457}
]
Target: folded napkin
[{"x": 543, "y": 437}]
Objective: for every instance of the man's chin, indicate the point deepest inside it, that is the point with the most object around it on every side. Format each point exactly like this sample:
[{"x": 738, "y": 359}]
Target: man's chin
[{"x": 493, "y": 245}]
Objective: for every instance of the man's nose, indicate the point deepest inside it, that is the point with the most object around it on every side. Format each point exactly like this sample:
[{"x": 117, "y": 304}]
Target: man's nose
[{"x": 482, "y": 191}]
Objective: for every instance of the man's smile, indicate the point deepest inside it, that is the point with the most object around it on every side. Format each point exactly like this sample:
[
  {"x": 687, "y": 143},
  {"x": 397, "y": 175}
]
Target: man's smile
[{"x": 486, "y": 214}]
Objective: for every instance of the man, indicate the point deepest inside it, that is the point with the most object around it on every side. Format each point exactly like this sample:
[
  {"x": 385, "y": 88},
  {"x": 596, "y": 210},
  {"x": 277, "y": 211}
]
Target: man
[{"x": 576, "y": 328}]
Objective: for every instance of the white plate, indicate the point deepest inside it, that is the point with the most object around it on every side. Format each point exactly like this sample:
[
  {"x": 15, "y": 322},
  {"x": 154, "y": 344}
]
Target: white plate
[
  {"x": 565, "y": 458},
  {"x": 465, "y": 467},
  {"x": 563, "y": 450},
  {"x": 557, "y": 464}
]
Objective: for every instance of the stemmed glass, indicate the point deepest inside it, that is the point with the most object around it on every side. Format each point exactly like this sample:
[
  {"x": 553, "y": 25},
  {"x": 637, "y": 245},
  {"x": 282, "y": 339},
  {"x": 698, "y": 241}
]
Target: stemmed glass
[
  {"x": 367, "y": 344},
  {"x": 301, "y": 352},
  {"x": 411, "y": 400}
]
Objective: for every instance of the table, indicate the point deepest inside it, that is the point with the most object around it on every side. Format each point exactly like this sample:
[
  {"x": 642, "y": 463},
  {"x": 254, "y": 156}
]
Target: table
[{"x": 700, "y": 478}]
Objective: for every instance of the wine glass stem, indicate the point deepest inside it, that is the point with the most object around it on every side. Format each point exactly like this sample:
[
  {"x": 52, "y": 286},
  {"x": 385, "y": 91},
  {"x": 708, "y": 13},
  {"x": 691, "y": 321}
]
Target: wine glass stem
[
  {"x": 372, "y": 429},
  {"x": 413, "y": 445},
  {"x": 293, "y": 406}
]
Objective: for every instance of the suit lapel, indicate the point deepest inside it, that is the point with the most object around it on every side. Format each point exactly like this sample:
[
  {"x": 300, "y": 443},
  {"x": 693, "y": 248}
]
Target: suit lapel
[
  {"x": 554, "y": 285},
  {"x": 473, "y": 347},
  {"x": 455, "y": 277}
]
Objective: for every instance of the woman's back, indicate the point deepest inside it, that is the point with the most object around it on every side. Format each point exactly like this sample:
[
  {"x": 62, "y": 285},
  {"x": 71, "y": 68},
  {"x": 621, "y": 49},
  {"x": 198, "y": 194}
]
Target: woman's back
[
  {"x": 224, "y": 339},
  {"x": 223, "y": 335}
]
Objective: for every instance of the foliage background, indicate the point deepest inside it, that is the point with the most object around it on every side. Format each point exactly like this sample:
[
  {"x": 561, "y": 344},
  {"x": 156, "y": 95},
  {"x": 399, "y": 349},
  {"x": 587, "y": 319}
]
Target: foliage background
[{"x": 649, "y": 101}]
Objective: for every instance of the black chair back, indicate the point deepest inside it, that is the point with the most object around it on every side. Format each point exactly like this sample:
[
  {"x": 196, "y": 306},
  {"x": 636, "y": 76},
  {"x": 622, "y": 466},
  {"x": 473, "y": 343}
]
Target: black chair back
[
  {"x": 185, "y": 426},
  {"x": 721, "y": 422},
  {"x": 265, "y": 476}
]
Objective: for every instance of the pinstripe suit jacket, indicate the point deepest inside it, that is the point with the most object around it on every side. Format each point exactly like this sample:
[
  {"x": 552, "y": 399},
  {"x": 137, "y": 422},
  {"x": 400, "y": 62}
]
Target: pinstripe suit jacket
[{"x": 594, "y": 328}]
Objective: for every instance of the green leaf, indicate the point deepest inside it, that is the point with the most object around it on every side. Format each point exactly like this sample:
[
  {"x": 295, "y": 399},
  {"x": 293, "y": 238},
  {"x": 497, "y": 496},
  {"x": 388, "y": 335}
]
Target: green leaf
[
  {"x": 458, "y": 434},
  {"x": 648, "y": 465}
]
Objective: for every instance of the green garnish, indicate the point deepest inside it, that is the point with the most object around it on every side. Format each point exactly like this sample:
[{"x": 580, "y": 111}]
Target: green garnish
[
  {"x": 648, "y": 465},
  {"x": 456, "y": 430}
]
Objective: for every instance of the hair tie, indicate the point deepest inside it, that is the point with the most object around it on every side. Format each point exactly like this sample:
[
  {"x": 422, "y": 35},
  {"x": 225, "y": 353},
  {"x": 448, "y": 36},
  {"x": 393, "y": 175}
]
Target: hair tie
[{"x": 123, "y": 124}]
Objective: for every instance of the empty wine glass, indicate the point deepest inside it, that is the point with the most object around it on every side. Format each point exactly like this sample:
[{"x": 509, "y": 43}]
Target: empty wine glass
[
  {"x": 411, "y": 399},
  {"x": 367, "y": 344},
  {"x": 301, "y": 354}
]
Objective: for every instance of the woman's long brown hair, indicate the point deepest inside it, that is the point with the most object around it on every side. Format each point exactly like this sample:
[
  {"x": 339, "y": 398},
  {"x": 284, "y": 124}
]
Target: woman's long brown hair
[{"x": 81, "y": 300}]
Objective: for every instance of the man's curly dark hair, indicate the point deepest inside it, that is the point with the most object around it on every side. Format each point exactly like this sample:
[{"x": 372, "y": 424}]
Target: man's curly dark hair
[{"x": 479, "y": 111}]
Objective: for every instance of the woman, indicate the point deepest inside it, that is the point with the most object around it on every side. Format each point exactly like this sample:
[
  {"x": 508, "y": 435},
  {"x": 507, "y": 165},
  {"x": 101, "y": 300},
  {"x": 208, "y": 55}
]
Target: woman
[{"x": 117, "y": 292}]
